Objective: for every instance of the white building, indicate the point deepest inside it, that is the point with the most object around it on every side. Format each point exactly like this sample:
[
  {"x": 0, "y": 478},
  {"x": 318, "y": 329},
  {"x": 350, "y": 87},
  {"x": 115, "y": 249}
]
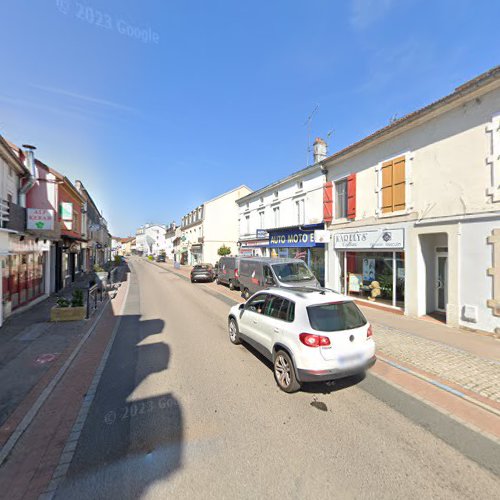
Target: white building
[
  {"x": 279, "y": 220},
  {"x": 210, "y": 226},
  {"x": 150, "y": 239},
  {"x": 171, "y": 233},
  {"x": 416, "y": 209}
]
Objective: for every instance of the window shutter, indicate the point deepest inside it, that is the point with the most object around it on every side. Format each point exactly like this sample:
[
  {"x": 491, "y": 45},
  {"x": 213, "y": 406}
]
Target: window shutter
[
  {"x": 387, "y": 187},
  {"x": 328, "y": 202},
  {"x": 351, "y": 196},
  {"x": 398, "y": 183}
]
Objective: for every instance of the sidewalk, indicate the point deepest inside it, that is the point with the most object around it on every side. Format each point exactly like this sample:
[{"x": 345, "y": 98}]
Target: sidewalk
[
  {"x": 463, "y": 360},
  {"x": 32, "y": 350}
]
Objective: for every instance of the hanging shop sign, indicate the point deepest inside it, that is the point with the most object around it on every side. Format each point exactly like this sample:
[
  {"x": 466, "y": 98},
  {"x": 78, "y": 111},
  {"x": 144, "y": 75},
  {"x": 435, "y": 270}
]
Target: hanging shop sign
[
  {"x": 40, "y": 219},
  {"x": 322, "y": 236},
  {"x": 378, "y": 238},
  {"x": 66, "y": 211},
  {"x": 290, "y": 238}
]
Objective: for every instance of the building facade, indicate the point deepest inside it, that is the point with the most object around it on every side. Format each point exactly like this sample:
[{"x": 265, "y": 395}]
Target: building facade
[
  {"x": 280, "y": 220},
  {"x": 414, "y": 210},
  {"x": 150, "y": 239},
  {"x": 210, "y": 226}
]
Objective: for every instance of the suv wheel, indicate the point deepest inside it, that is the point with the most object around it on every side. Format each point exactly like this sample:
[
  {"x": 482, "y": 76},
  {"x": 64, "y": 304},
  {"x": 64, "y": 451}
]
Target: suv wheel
[
  {"x": 231, "y": 285},
  {"x": 284, "y": 373},
  {"x": 246, "y": 294},
  {"x": 234, "y": 334}
]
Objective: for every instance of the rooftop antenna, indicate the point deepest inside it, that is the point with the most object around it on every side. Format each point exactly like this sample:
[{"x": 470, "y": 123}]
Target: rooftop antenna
[{"x": 308, "y": 124}]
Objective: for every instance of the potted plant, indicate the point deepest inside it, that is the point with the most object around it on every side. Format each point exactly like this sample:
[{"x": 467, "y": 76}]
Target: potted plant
[
  {"x": 101, "y": 273},
  {"x": 69, "y": 310}
]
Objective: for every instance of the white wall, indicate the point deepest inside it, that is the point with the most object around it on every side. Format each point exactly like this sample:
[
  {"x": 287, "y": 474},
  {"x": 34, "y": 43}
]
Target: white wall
[{"x": 288, "y": 194}]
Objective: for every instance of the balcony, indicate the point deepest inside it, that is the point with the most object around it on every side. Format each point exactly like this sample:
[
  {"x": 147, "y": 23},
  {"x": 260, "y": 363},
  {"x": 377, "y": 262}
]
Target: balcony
[{"x": 12, "y": 216}]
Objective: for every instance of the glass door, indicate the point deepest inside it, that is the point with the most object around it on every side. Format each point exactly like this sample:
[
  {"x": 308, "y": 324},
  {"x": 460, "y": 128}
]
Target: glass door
[{"x": 441, "y": 281}]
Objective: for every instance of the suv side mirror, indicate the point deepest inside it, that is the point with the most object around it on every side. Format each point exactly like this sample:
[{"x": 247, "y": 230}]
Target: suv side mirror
[{"x": 269, "y": 280}]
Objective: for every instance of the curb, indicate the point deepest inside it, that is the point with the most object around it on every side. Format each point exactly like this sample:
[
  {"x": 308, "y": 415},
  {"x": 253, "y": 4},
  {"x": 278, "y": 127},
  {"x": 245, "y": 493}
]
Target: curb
[
  {"x": 32, "y": 412},
  {"x": 72, "y": 441}
]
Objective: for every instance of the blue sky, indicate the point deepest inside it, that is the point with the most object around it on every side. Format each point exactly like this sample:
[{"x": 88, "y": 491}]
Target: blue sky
[{"x": 217, "y": 92}]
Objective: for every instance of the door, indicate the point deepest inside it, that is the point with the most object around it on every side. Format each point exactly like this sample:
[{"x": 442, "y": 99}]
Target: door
[
  {"x": 441, "y": 281},
  {"x": 251, "y": 318}
]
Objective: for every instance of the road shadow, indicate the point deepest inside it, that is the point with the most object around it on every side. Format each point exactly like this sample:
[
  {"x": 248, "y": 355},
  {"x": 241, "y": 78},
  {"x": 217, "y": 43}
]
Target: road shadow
[
  {"x": 312, "y": 387},
  {"x": 128, "y": 441}
]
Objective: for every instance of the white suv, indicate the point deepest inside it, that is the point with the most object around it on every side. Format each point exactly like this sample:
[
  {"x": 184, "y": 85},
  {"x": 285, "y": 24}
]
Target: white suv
[{"x": 309, "y": 334}]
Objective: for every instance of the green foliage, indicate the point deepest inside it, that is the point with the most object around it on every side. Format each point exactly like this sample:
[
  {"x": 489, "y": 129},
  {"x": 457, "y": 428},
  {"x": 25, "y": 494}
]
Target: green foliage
[
  {"x": 150, "y": 257},
  {"x": 98, "y": 268},
  {"x": 224, "y": 250},
  {"x": 117, "y": 260},
  {"x": 385, "y": 281},
  {"x": 77, "y": 300},
  {"x": 62, "y": 302}
]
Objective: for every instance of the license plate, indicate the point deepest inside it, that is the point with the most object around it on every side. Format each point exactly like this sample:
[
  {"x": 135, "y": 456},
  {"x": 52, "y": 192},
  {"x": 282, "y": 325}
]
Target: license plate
[{"x": 351, "y": 359}]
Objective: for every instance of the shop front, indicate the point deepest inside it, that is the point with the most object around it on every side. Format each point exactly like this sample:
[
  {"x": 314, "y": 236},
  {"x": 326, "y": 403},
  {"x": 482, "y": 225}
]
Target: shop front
[
  {"x": 253, "y": 248},
  {"x": 24, "y": 272},
  {"x": 370, "y": 265},
  {"x": 299, "y": 243},
  {"x": 196, "y": 253}
]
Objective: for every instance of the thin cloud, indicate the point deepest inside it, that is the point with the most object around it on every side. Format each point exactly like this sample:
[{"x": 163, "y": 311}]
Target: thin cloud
[
  {"x": 366, "y": 12},
  {"x": 86, "y": 98}
]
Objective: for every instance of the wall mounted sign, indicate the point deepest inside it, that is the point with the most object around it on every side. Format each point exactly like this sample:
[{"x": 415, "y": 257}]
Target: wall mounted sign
[
  {"x": 377, "y": 238},
  {"x": 322, "y": 236},
  {"x": 261, "y": 234},
  {"x": 40, "y": 219},
  {"x": 290, "y": 238},
  {"x": 66, "y": 210}
]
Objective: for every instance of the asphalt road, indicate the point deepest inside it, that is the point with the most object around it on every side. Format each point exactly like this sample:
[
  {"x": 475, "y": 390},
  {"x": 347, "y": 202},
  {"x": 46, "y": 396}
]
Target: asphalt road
[{"x": 182, "y": 413}]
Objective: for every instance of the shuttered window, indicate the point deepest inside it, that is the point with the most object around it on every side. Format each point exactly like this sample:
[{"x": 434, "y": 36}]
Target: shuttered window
[{"x": 393, "y": 185}]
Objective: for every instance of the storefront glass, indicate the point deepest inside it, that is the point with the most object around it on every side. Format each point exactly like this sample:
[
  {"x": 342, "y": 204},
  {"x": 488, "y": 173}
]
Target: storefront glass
[{"x": 373, "y": 275}]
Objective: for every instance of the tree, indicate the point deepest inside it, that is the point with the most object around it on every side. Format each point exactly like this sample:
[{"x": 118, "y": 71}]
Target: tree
[{"x": 224, "y": 250}]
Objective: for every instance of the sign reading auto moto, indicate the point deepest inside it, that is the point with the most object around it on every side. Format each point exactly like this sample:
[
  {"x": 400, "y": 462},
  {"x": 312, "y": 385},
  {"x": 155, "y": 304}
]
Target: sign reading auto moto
[
  {"x": 41, "y": 219},
  {"x": 293, "y": 238},
  {"x": 378, "y": 238}
]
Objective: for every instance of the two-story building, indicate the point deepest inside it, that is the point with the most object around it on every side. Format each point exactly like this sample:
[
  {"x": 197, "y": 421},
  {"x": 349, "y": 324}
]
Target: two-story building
[
  {"x": 414, "y": 210},
  {"x": 280, "y": 220},
  {"x": 150, "y": 239},
  {"x": 210, "y": 226}
]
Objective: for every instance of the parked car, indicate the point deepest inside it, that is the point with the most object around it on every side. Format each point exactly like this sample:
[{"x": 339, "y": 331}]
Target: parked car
[
  {"x": 257, "y": 273},
  {"x": 308, "y": 334},
  {"x": 228, "y": 272},
  {"x": 202, "y": 272},
  {"x": 160, "y": 258}
]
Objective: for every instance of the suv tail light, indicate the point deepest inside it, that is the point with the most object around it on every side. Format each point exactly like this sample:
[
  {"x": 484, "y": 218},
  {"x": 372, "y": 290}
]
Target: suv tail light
[
  {"x": 369, "y": 332},
  {"x": 236, "y": 275},
  {"x": 311, "y": 340}
]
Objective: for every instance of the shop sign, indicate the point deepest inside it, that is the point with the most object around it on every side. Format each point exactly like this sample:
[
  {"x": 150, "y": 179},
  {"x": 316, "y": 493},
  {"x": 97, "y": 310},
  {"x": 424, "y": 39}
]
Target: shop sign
[
  {"x": 40, "y": 219},
  {"x": 254, "y": 243},
  {"x": 322, "y": 236},
  {"x": 292, "y": 238},
  {"x": 261, "y": 234},
  {"x": 378, "y": 238},
  {"x": 66, "y": 211}
]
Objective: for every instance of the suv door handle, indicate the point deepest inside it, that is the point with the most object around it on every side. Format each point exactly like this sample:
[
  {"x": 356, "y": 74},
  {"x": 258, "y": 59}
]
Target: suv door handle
[{"x": 276, "y": 330}]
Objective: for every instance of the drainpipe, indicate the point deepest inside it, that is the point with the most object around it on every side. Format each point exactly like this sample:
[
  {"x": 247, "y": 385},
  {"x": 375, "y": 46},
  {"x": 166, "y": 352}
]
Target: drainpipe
[{"x": 29, "y": 152}]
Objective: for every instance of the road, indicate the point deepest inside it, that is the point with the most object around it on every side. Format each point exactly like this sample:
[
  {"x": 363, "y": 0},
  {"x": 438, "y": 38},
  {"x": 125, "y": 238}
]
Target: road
[{"x": 182, "y": 413}]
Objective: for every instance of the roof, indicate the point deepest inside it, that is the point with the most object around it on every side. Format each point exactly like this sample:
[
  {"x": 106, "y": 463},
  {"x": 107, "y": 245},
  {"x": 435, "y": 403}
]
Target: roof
[
  {"x": 469, "y": 87},
  {"x": 7, "y": 148},
  {"x": 309, "y": 295}
]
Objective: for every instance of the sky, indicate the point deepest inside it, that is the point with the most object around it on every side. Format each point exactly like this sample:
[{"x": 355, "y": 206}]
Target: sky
[{"x": 159, "y": 105}]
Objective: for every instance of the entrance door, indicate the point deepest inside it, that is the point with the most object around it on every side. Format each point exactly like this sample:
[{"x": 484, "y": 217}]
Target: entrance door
[{"x": 441, "y": 281}]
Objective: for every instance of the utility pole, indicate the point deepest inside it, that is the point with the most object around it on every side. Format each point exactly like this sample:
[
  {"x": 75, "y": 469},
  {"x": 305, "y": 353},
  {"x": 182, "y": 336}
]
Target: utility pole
[{"x": 308, "y": 124}]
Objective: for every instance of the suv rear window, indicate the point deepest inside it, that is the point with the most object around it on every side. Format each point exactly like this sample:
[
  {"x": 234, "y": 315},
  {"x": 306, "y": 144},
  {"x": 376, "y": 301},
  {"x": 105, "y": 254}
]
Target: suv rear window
[{"x": 335, "y": 317}]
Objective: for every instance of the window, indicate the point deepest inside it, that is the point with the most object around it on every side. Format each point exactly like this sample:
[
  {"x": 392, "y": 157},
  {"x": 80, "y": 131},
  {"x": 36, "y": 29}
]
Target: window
[
  {"x": 393, "y": 185},
  {"x": 247, "y": 224},
  {"x": 257, "y": 303},
  {"x": 279, "y": 308},
  {"x": 275, "y": 194},
  {"x": 300, "y": 184},
  {"x": 300, "y": 211},
  {"x": 262, "y": 221},
  {"x": 261, "y": 200},
  {"x": 335, "y": 317},
  {"x": 341, "y": 199},
  {"x": 276, "y": 213}
]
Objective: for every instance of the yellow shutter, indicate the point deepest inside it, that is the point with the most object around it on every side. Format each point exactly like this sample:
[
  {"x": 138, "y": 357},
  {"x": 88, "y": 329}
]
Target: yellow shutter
[
  {"x": 387, "y": 194},
  {"x": 399, "y": 183}
]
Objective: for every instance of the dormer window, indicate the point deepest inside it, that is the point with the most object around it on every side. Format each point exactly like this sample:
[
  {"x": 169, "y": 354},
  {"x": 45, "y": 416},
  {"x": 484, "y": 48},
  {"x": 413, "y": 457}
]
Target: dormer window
[
  {"x": 275, "y": 194},
  {"x": 300, "y": 185}
]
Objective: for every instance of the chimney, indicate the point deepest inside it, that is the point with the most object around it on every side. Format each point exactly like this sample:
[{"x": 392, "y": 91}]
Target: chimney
[
  {"x": 319, "y": 148},
  {"x": 29, "y": 154}
]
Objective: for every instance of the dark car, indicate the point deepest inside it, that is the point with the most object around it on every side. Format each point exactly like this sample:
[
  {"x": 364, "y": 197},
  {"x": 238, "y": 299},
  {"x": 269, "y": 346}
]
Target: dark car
[
  {"x": 202, "y": 272},
  {"x": 160, "y": 258},
  {"x": 228, "y": 272}
]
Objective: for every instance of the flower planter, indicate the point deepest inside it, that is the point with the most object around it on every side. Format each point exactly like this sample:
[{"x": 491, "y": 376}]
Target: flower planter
[{"x": 67, "y": 313}]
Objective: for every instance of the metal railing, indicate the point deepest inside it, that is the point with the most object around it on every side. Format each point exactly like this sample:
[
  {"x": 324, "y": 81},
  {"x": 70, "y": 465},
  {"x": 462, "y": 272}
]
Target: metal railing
[{"x": 93, "y": 292}]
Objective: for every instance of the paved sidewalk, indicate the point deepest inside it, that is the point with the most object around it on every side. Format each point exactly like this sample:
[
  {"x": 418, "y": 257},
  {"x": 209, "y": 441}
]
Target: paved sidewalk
[{"x": 470, "y": 361}]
